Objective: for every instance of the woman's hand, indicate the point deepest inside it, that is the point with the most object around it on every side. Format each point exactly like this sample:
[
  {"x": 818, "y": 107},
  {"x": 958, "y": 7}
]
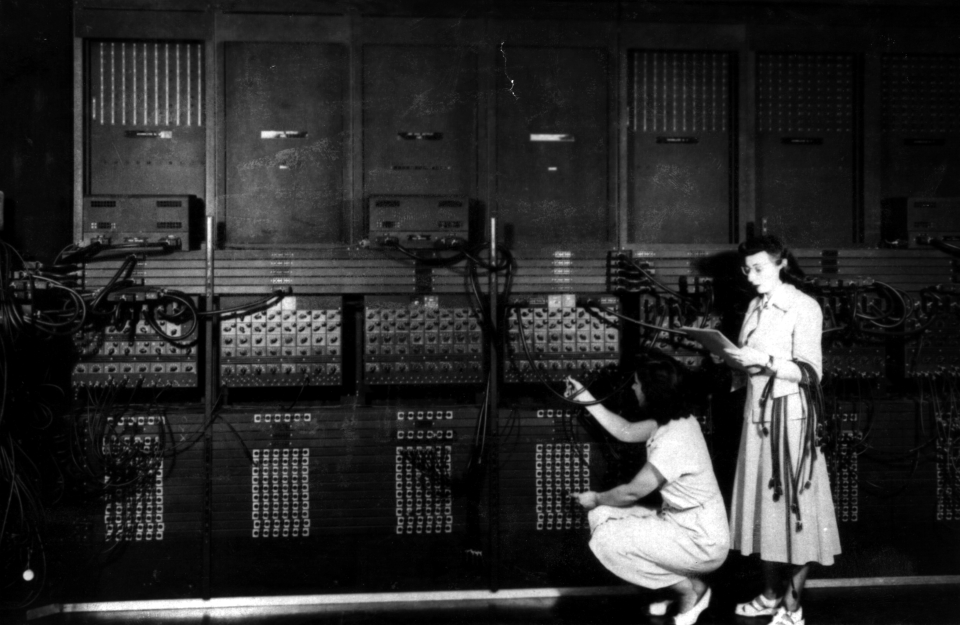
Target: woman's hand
[
  {"x": 748, "y": 356},
  {"x": 587, "y": 499},
  {"x": 575, "y": 391}
]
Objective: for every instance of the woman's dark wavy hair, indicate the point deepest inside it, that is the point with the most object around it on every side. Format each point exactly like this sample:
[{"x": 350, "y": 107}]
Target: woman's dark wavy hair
[
  {"x": 791, "y": 272},
  {"x": 664, "y": 385}
]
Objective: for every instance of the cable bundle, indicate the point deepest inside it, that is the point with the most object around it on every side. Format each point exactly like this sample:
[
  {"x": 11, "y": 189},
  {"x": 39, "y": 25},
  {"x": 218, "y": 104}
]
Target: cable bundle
[{"x": 811, "y": 401}]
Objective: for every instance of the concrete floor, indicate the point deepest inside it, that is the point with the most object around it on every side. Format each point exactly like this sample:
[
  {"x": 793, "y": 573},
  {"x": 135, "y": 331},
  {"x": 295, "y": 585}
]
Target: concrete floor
[{"x": 898, "y": 604}]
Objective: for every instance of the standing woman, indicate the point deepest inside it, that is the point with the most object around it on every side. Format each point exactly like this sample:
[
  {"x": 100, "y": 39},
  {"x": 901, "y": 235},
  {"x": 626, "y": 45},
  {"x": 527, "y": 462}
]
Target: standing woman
[
  {"x": 781, "y": 507},
  {"x": 688, "y": 536}
]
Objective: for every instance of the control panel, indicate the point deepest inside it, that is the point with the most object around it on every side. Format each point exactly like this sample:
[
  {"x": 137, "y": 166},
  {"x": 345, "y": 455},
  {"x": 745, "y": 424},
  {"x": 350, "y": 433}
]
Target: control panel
[
  {"x": 296, "y": 342},
  {"x": 429, "y": 339},
  {"x": 117, "y": 219},
  {"x": 418, "y": 221},
  {"x": 135, "y": 353},
  {"x": 552, "y": 336}
]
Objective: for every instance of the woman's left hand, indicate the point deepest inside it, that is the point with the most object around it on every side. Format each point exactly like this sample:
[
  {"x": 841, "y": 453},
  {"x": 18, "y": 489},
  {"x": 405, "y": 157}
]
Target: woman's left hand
[
  {"x": 587, "y": 499},
  {"x": 748, "y": 356}
]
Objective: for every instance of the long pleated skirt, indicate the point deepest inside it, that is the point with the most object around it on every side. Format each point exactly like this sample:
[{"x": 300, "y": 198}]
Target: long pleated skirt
[{"x": 758, "y": 523}]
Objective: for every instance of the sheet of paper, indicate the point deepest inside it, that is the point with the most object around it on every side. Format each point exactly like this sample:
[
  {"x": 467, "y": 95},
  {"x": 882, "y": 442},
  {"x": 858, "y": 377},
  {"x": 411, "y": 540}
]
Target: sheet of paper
[{"x": 715, "y": 341}]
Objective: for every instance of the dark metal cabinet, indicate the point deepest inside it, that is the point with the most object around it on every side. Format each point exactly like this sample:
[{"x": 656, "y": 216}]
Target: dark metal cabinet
[
  {"x": 285, "y": 142},
  {"x": 552, "y": 163}
]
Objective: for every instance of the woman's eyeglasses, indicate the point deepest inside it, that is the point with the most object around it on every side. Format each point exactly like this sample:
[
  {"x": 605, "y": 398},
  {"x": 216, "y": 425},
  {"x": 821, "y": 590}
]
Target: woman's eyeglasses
[{"x": 747, "y": 269}]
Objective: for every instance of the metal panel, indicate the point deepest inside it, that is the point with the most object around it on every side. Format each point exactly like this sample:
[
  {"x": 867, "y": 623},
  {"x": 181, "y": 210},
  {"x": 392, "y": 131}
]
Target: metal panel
[
  {"x": 145, "y": 112},
  {"x": 285, "y": 154},
  {"x": 419, "y": 120},
  {"x": 295, "y": 343},
  {"x": 552, "y": 145},
  {"x": 422, "y": 340},
  {"x": 921, "y": 129},
  {"x": 680, "y": 147},
  {"x": 806, "y": 136},
  {"x": 348, "y": 497}
]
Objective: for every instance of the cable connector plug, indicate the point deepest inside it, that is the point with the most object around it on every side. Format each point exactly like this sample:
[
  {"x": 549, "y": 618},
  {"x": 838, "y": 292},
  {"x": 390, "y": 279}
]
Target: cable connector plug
[{"x": 450, "y": 243}]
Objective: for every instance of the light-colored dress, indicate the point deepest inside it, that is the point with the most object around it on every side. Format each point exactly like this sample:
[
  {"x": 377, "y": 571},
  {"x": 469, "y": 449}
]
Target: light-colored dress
[
  {"x": 688, "y": 536},
  {"x": 787, "y": 325}
]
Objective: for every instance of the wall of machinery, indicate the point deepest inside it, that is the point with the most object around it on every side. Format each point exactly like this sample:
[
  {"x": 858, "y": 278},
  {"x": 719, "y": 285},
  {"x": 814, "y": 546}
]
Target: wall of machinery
[
  {"x": 330, "y": 272},
  {"x": 294, "y": 426}
]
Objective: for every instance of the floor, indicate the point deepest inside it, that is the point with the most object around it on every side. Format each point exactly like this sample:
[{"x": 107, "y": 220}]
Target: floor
[{"x": 925, "y": 604}]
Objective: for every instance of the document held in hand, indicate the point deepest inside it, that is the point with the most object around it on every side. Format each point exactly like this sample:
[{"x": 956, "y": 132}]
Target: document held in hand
[{"x": 716, "y": 342}]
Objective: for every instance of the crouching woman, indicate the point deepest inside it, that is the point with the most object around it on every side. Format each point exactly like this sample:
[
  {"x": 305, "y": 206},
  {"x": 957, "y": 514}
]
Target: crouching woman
[{"x": 688, "y": 536}]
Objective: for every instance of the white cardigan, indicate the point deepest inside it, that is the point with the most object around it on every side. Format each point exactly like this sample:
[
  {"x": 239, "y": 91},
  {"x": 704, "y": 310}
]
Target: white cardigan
[{"x": 786, "y": 324}]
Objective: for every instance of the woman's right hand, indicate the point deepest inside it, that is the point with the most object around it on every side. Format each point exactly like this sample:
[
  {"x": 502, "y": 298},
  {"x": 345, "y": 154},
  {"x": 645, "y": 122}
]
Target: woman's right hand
[
  {"x": 587, "y": 499},
  {"x": 574, "y": 389}
]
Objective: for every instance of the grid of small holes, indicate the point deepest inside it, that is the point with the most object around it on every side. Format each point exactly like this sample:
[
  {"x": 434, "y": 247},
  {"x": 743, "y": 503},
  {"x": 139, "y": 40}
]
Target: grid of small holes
[
  {"x": 560, "y": 469},
  {"x": 846, "y": 478},
  {"x": 679, "y": 91},
  {"x": 423, "y": 497},
  {"x": 135, "y": 513},
  {"x": 948, "y": 457},
  {"x": 280, "y": 493},
  {"x": 798, "y": 93},
  {"x": 920, "y": 93}
]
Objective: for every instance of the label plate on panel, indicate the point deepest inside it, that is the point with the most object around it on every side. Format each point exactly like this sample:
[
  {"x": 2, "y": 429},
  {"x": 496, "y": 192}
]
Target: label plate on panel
[
  {"x": 283, "y": 134},
  {"x": 148, "y": 134},
  {"x": 552, "y": 138}
]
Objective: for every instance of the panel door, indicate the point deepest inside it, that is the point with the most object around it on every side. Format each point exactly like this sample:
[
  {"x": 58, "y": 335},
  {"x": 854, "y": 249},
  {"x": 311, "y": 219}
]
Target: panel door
[
  {"x": 552, "y": 164},
  {"x": 145, "y": 118},
  {"x": 285, "y": 143},
  {"x": 806, "y": 148},
  {"x": 920, "y": 99},
  {"x": 680, "y": 147},
  {"x": 419, "y": 120}
]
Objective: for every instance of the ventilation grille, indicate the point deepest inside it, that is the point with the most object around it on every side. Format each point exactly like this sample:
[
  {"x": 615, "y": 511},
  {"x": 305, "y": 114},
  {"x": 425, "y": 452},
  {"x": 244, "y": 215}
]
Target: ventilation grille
[
  {"x": 169, "y": 203},
  {"x": 679, "y": 92},
  {"x": 920, "y": 93},
  {"x": 804, "y": 93},
  {"x": 387, "y": 203},
  {"x": 169, "y": 225},
  {"x": 146, "y": 83},
  {"x": 450, "y": 204},
  {"x": 103, "y": 203}
]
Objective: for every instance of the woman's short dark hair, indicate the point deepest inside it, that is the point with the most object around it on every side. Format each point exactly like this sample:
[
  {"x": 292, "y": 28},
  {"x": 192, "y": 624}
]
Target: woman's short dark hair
[
  {"x": 663, "y": 382},
  {"x": 772, "y": 245}
]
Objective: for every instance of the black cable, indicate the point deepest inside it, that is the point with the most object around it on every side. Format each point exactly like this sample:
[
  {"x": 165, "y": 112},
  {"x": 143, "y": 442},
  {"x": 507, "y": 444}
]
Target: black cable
[
  {"x": 246, "y": 309},
  {"x": 156, "y": 308},
  {"x": 430, "y": 261},
  {"x": 122, "y": 274},
  {"x": 941, "y": 245}
]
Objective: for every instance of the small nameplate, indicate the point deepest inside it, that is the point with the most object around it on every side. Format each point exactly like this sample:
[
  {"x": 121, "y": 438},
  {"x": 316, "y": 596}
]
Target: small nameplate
[
  {"x": 801, "y": 141},
  {"x": 283, "y": 134},
  {"x": 552, "y": 138},
  {"x": 913, "y": 141},
  {"x": 420, "y": 136},
  {"x": 148, "y": 134},
  {"x": 679, "y": 140}
]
